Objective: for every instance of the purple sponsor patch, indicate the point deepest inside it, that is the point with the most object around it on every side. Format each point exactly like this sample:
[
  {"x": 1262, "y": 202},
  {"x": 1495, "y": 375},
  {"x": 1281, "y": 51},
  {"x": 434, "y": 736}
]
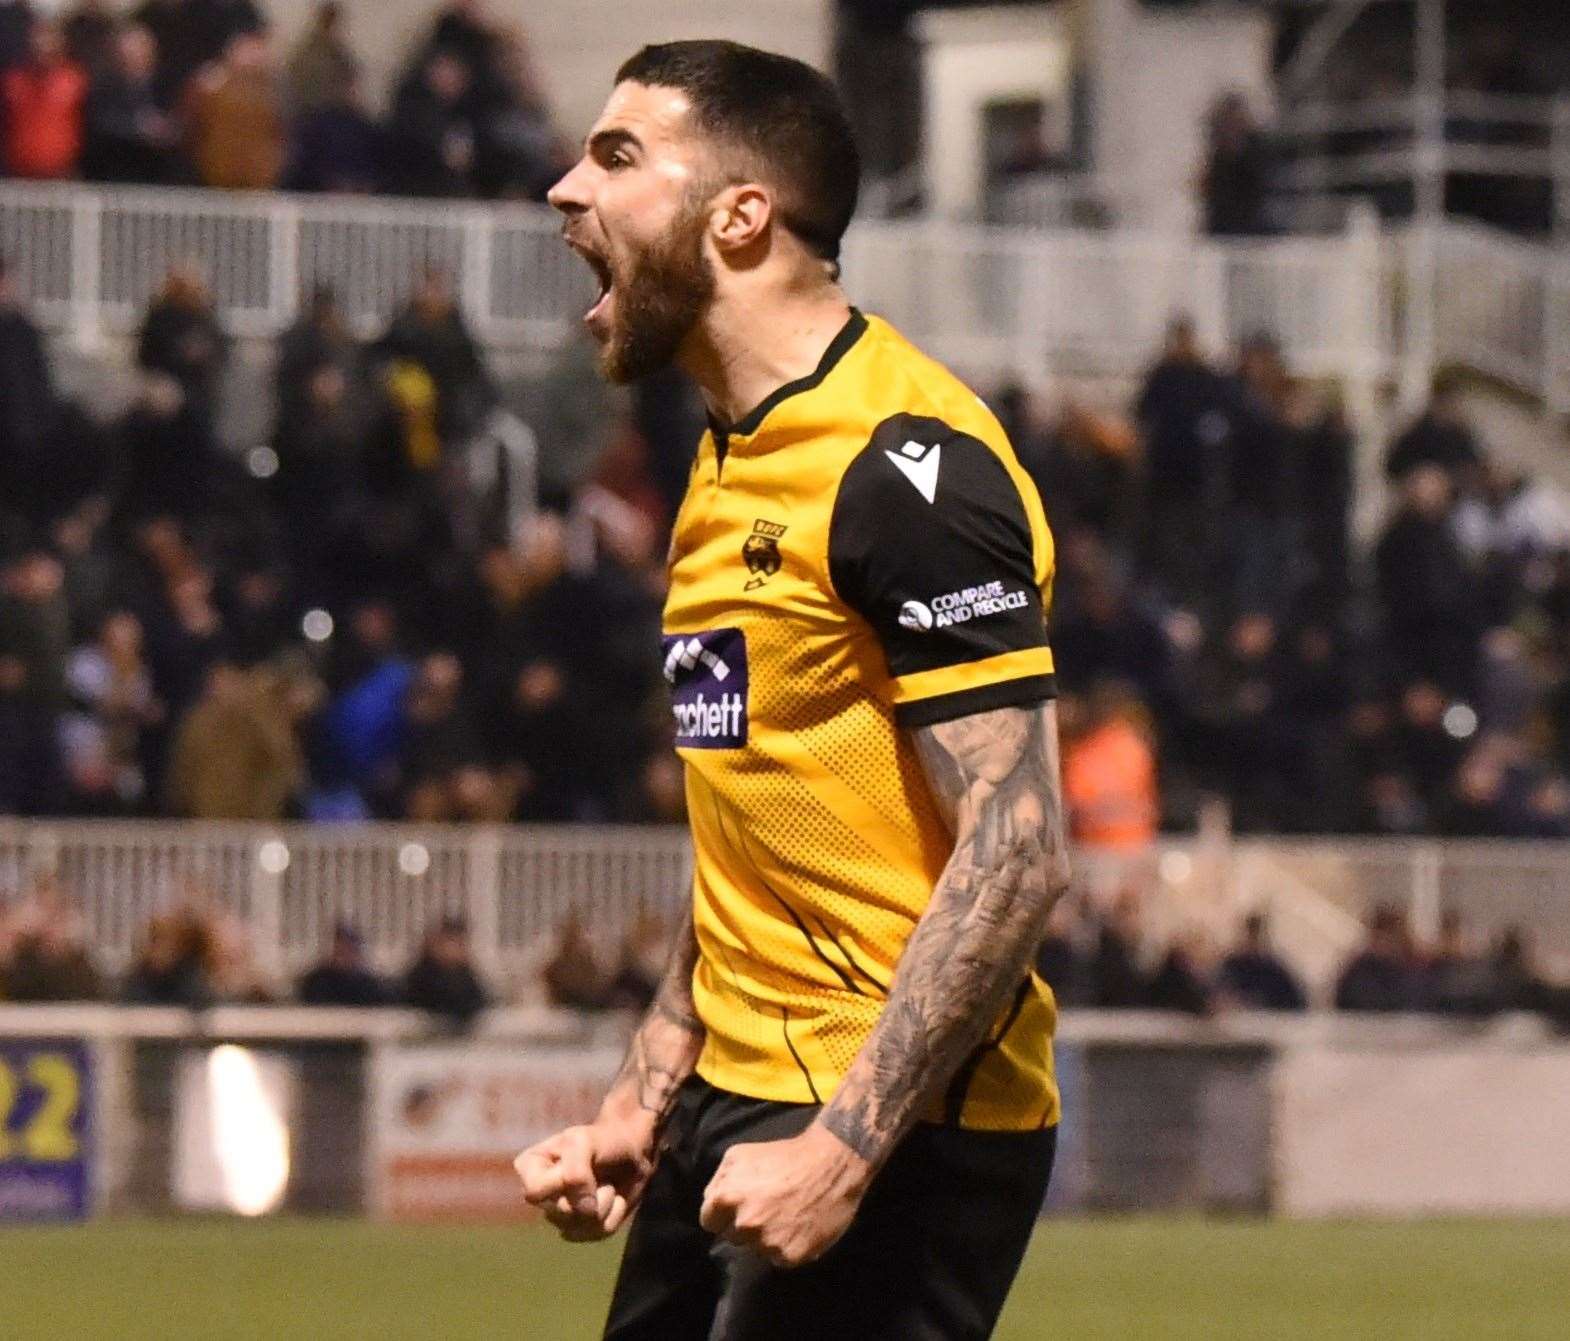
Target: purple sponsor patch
[{"x": 707, "y": 673}]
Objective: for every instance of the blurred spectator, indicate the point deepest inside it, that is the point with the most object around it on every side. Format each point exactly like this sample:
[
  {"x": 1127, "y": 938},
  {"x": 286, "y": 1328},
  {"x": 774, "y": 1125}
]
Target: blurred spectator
[
  {"x": 1185, "y": 422},
  {"x": 1236, "y": 184},
  {"x": 434, "y": 136},
  {"x": 1109, "y": 774},
  {"x": 337, "y": 145},
  {"x": 130, "y": 138},
  {"x": 1383, "y": 975},
  {"x": 574, "y": 976},
  {"x": 1430, "y": 597},
  {"x": 16, "y": 21},
  {"x": 1059, "y": 960},
  {"x": 108, "y": 736},
  {"x": 1457, "y": 980},
  {"x": 180, "y": 336},
  {"x": 442, "y": 980},
  {"x": 173, "y": 966},
  {"x": 28, "y": 411},
  {"x": 48, "y": 959},
  {"x": 1439, "y": 437},
  {"x": 235, "y": 117},
  {"x": 442, "y": 762},
  {"x": 235, "y": 754},
  {"x": 168, "y": 458},
  {"x": 90, "y": 30},
  {"x": 1254, "y": 977},
  {"x": 644, "y": 951},
  {"x": 1116, "y": 980},
  {"x": 1179, "y": 983},
  {"x": 41, "y": 101},
  {"x": 431, "y": 334},
  {"x": 322, "y": 63},
  {"x": 29, "y": 762},
  {"x": 343, "y": 978}
]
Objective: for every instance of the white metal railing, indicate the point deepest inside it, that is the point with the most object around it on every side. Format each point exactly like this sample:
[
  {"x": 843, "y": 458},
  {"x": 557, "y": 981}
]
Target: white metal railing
[
  {"x": 288, "y": 885},
  {"x": 87, "y": 260}
]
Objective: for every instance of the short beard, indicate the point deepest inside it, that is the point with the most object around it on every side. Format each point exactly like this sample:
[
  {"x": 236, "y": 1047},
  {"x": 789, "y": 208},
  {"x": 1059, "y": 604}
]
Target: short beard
[{"x": 666, "y": 293}]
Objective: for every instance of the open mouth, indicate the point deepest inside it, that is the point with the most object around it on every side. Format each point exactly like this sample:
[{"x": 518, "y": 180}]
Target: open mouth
[{"x": 602, "y": 273}]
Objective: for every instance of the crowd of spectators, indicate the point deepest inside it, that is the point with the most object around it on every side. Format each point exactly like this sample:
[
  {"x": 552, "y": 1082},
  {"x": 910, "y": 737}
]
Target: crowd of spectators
[
  {"x": 193, "y": 92},
  {"x": 1213, "y": 624},
  {"x": 335, "y": 624}
]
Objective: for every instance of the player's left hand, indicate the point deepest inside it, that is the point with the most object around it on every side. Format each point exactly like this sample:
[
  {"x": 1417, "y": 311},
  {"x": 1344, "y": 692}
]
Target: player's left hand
[{"x": 787, "y": 1200}]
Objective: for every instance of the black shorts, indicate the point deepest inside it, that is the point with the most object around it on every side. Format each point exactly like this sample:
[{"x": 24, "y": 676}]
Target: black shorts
[{"x": 930, "y": 1256}]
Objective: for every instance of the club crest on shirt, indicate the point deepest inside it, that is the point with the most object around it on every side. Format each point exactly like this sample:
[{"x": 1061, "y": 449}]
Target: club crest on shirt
[{"x": 761, "y": 552}]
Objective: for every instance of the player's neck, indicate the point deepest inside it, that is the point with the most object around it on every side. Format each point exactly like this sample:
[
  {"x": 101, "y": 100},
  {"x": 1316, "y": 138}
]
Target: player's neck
[{"x": 749, "y": 346}]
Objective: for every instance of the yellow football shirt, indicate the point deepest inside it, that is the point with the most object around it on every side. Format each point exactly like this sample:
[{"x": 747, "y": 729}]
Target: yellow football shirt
[{"x": 860, "y": 555}]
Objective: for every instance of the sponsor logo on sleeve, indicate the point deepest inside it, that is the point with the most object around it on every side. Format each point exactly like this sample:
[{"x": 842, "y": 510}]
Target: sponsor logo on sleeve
[
  {"x": 707, "y": 673},
  {"x": 961, "y": 607}
]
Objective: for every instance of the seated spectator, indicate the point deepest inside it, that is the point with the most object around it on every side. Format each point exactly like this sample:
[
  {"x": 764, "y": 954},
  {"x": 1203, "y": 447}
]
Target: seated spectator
[
  {"x": 48, "y": 959},
  {"x": 442, "y": 980},
  {"x": 434, "y": 136},
  {"x": 574, "y": 976},
  {"x": 1179, "y": 983},
  {"x": 235, "y": 117},
  {"x": 1382, "y": 976},
  {"x": 1116, "y": 981},
  {"x": 172, "y": 968},
  {"x": 41, "y": 102},
  {"x": 129, "y": 137},
  {"x": 322, "y": 63},
  {"x": 338, "y": 146},
  {"x": 1254, "y": 977},
  {"x": 1455, "y": 980},
  {"x": 343, "y": 978}
]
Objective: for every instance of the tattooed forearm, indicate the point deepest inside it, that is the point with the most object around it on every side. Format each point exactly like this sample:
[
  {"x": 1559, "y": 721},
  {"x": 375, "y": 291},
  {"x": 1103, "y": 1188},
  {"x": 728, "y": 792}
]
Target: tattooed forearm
[
  {"x": 996, "y": 776},
  {"x": 665, "y": 1049}
]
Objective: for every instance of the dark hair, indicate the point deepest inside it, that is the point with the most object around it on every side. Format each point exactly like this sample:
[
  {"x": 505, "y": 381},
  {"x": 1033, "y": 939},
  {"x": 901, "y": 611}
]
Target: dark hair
[{"x": 781, "y": 114}]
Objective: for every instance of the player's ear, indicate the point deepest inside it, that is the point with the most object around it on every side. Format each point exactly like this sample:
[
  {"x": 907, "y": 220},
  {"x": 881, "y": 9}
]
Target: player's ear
[{"x": 741, "y": 216}]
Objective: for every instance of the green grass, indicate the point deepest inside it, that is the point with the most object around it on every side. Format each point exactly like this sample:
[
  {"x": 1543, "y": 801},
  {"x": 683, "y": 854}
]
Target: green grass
[{"x": 1083, "y": 1279}]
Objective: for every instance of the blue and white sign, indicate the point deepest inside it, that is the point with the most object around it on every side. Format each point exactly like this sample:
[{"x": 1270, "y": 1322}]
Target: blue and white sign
[
  {"x": 707, "y": 673},
  {"x": 46, "y": 1138}
]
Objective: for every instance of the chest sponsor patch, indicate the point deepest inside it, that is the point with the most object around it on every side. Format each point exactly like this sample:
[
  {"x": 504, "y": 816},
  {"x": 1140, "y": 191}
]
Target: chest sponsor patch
[{"x": 707, "y": 673}]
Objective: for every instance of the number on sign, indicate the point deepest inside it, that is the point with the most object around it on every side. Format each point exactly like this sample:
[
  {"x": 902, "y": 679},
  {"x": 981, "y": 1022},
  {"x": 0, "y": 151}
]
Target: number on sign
[{"x": 47, "y": 1136}]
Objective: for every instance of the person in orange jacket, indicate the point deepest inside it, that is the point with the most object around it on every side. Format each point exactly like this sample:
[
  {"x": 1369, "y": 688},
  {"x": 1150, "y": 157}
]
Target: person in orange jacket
[{"x": 42, "y": 102}]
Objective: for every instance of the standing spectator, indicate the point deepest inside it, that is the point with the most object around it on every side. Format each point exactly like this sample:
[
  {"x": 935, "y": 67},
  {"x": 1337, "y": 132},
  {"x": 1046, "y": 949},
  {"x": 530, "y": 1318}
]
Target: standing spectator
[
  {"x": 431, "y": 333},
  {"x": 130, "y": 138},
  {"x": 90, "y": 31},
  {"x": 1109, "y": 775},
  {"x": 236, "y": 119},
  {"x": 322, "y": 63},
  {"x": 167, "y": 454},
  {"x": 42, "y": 104},
  {"x": 442, "y": 980},
  {"x": 343, "y": 978},
  {"x": 235, "y": 755},
  {"x": 115, "y": 713},
  {"x": 1116, "y": 981},
  {"x": 1254, "y": 977},
  {"x": 16, "y": 21},
  {"x": 1237, "y": 177},
  {"x": 1183, "y": 416},
  {"x": 27, "y": 409},
  {"x": 1430, "y": 597},
  {"x": 1382, "y": 975},
  {"x": 29, "y": 760},
  {"x": 435, "y": 135},
  {"x": 1262, "y": 519},
  {"x": 181, "y": 337},
  {"x": 338, "y": 146}
]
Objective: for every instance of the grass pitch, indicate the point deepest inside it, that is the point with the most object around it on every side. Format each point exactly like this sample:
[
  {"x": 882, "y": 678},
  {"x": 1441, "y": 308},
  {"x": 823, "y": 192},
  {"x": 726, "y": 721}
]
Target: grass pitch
[{"x": 1083, "y": 1279}]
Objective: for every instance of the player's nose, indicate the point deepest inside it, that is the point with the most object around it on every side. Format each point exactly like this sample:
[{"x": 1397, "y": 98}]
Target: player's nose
[{"x": 571, "y": 194}]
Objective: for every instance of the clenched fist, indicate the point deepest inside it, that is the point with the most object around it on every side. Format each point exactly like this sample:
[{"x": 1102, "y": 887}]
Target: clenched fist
[
  {"x": 588, "y": 1179},
  {"x": 788, "y": 1200}
]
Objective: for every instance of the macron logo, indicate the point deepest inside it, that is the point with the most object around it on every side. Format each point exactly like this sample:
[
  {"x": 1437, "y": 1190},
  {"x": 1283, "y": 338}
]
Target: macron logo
[{"x": 919, "y": 465}]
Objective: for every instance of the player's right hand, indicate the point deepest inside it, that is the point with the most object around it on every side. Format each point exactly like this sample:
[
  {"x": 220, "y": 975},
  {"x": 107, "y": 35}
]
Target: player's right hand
[{"x": 588, "y": 1179}]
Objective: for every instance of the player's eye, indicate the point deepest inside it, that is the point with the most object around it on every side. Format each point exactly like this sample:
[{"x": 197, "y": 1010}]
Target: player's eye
[{"x": 619, "y": 159}]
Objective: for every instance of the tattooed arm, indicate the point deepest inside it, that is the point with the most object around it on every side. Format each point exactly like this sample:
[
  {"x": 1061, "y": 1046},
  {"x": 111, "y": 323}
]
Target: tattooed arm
[
  {"x": 995, "y": 775},
  {"x": 587, "y": 1179}
]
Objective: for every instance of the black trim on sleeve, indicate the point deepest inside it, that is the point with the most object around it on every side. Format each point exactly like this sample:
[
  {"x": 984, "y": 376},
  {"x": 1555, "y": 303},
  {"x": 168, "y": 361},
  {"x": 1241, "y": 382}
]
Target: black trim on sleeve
[{"x": 983, "y": 698}]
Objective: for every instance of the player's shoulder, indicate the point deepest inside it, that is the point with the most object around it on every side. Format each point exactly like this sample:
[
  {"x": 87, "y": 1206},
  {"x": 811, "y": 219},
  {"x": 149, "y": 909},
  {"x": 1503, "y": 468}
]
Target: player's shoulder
[{"x": 905, "y": 380}]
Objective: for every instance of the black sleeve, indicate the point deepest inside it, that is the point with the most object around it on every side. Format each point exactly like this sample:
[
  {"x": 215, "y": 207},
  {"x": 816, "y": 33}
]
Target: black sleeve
[{"x": 931, "y": 543}]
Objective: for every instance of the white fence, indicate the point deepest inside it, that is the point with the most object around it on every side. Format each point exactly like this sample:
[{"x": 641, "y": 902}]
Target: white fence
[
  {"x": 1358, "y": 306},
  {"x": 289, "y": 884}
]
